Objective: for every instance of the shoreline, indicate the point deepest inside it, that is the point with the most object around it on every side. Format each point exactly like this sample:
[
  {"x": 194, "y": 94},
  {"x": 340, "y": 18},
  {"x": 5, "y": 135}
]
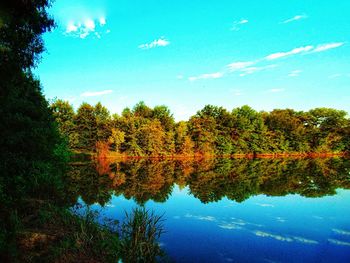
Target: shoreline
[{"x": 113, "y": 155}]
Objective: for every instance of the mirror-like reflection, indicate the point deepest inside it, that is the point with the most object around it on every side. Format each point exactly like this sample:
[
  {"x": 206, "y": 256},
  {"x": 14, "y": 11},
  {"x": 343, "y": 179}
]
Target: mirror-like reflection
[{"x": 208, "y": 180}]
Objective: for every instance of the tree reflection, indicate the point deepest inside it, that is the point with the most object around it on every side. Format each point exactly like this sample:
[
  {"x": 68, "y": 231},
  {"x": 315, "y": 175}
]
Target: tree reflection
[{"x": 209, "y": 180}]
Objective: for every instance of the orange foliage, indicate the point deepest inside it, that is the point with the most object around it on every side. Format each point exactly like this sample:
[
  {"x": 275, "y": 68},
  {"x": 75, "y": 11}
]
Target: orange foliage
[{"x": 102, "y": 149}]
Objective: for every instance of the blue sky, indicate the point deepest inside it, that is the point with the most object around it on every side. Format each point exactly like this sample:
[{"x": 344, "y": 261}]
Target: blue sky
[{"x": 186, "y": 54}]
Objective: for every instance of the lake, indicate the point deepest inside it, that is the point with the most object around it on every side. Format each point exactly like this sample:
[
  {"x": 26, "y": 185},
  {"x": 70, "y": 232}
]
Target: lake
[{"x": 229, "y": 210}]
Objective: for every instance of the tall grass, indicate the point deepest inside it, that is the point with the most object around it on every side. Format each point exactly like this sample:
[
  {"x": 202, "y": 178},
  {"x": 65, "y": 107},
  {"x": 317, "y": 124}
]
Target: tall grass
[
  {"x": 140, "y": 233},
  {"x": 77, "y": 235}
]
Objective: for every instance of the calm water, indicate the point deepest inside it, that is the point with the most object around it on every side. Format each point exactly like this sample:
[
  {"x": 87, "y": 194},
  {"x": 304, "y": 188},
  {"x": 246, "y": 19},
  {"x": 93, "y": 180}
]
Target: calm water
[{"x": 231, "y": 210}]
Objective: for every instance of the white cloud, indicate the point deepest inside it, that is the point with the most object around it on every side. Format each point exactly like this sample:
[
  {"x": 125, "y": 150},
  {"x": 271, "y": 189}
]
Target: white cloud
[
  {"x": 236, "y": 24},
  {"x": 275, "y": 90},
  {"x": 89, "y": 24},
  {"x": 71, "y": 27},
  {"x": 83, "y": 28},
  {"x": 294, "y": 51},
  {"x": 294, "y": 73},
  {"x": 215, "y": 75},
  {"x": 102, "y": 21},
  {"x": 324, "y": 47},
  {"x": 251, "y": 70},
  {"x": 244, "y": 67},
  {"x": 161, "y": 42},
  {"x": 96, "y": 93},
  {"x": 305, "y": 49},
  {"x": 295, "y": 18},
  {"x": 236, "y": 66}
]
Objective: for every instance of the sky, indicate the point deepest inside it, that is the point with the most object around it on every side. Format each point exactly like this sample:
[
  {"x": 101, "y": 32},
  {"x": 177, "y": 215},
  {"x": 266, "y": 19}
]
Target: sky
[{"x": 185, "y": 54}]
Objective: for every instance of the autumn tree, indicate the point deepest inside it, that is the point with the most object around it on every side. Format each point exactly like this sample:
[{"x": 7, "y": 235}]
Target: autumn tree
[
  {"x": 211, "y": 131},
  {"x": 183, "y": 142},
  {"x": 151, "y": 138},
  {"x": 203, "y": 133},
  {"x": 289, "y": 125}
]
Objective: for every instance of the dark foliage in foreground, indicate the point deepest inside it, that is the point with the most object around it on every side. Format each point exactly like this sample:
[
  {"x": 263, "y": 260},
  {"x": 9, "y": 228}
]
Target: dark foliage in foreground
[
  {"x": 32, "y": 151},
  {"x": 36, "y": 224}
]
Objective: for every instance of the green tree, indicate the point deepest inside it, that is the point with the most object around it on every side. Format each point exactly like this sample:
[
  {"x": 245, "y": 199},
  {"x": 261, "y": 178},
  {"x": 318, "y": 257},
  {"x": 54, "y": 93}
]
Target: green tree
[
  {"x": 223, "y": 127},
  {"x": 130, "y": 126},
  {"x": 103, "y": 122},
  {"x": 64, "y": 116},
  {"x": 142, "y": 110},
  {"x": 249, "y": 131},
  {"x": 162, "y": 113},
  {"x": 117, "y": 138},
  {"x": 86, "y": 127},
  {"x": 326, "y": 129}
]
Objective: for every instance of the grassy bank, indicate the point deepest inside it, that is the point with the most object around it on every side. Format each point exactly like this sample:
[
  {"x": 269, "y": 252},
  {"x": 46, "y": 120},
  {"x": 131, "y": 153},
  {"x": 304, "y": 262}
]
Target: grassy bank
[{"x": 53, "y": 234}]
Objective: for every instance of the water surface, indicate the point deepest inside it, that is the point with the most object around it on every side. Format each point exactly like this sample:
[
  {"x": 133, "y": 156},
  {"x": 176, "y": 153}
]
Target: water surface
[{"x": 230, "y": 210}]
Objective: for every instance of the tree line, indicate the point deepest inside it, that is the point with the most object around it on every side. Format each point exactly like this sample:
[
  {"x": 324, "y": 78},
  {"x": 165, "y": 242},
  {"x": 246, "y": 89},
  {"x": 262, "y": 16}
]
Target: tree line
[{"x": 213, "y": 130}]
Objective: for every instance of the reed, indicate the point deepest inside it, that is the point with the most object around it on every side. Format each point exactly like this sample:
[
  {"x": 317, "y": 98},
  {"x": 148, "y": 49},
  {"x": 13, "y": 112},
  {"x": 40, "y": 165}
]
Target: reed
[{"x": 140, "y": 235}]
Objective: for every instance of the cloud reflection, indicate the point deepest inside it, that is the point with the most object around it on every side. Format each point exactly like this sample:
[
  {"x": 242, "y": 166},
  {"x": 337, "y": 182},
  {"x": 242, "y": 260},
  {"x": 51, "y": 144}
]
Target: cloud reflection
[
  {"x": 338, "y": 242},
  {"x": 199, "y": 217},
  {"x": 341, "y": 231},
  {"x": 277, "y": 237},
  {"x": 229, "y": 226},
  {"x": 285, "y": 238},
  {"x": 265, "y": 205}
]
